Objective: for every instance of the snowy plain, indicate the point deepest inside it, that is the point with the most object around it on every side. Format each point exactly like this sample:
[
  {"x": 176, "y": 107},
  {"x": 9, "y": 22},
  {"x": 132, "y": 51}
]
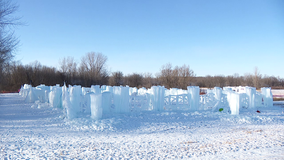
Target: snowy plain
[{"x": 42, "y": 132}]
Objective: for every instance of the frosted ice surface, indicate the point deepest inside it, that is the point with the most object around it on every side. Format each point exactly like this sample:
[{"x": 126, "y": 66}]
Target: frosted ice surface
[
  {"x": 55, "y": 96},
  {"x": 106, "y": 102},
  {"x": 95, "y": 89},
  {"x": 158, "y": 98},
  {"x": 109, "y": 89},
  {"x": 193, "y": 97},
  {"x": 133, "y": 91},
  {"x": 96, "y": 106},
  {"x": 85, "y": 90},
  {"x": 251, "y": 91},
  {"x": 31, "y": 97},
  {"x": 66, "y": 103},
  {"x": 103, "y": 88},
  {"x": 218, "y": 93},
  {"x": 121, "y": 99},
  {"x": 142, "y": 91},
  {"x": 75, "y": 98},
  {"x": 227, "y": 89},
  {"x": 234, "y": 103},
  {"x": 267, "y": 96}
]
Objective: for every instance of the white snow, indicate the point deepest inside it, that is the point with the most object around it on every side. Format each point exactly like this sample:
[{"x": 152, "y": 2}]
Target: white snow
[{"x": 44, "y": 133}]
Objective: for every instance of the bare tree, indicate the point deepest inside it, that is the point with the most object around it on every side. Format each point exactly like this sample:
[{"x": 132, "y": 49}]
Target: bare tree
[
  {"x": 179, "y": 77},
  {"x": 185, "y": 75},
  {"x": 93, "y": 69},
  {"x": 8, "y": 42},
  {"x": 209, "y": 82},
  {"x": 230, "y": 81},
  {"x": 134, "y": 80},
  {"x": 116, "y": 79},
  {"x": 148, "y": 80},
  {"x": 219, "y": 81},
  {"x": 238, "y": 80},
  {"x": 68, "y": 68},
  {"x": 166, "y": 75},
  {"x": 248, "y": 79},
  {"x": 256, "y": 78}
]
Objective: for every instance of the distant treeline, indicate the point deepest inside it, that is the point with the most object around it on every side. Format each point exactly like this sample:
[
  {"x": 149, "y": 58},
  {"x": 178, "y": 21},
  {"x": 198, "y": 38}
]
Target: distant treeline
[{"x": 92, "y": 71}]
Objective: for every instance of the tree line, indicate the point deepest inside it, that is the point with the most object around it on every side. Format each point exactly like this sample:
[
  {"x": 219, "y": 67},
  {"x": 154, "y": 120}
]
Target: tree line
[{"x": 92, "y": 70}]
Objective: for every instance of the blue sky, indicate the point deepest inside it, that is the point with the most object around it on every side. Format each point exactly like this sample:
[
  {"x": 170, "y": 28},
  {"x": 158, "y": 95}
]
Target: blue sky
[{"x": 213, "y": 37}]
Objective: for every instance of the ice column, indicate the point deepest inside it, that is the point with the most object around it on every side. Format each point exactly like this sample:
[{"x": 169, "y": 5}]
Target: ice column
[
  {"x": 55, "y": 96},
  {"x": 109, "y": 88},
  {"x": 121, "y": 99},
  {"x": 96, "y": 106},
  {"x": 193, "y": 97},
  {"x": 234, "y": 103},
  {"x": 106, "y": 102},
  {"x": 158, "y": 98},
  {"x": 31, "y": 97},
  {"x": 42, "y": 93},
  {"x": 142, "y": 91},
  {"x": 25, "y": 90},
  {"x": 86, "y": 104},
  {"x": 75, "y": 99},
  {"x": 66, "y": 103},
  {"x": 96, "y": 89},
  {"x": 218, "y": 96},
  {"x": 133, "y": 91},
  {"x": 267, "y": 96},
  {"x": 173, "y": 91},
  {"x": 103, "y": 88},
  {"x": 251, "y": 91},
  {"x": 85, "y": 90},
  {"x": 218, "y": 93}
]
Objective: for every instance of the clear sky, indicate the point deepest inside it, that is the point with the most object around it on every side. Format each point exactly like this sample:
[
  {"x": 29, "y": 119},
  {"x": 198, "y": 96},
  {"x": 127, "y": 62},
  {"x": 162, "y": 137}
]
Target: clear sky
[{"x": 213, "y": 37}]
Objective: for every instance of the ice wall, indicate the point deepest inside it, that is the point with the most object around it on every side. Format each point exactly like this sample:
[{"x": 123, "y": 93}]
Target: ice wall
[
  {"x": 267, "y": 96},
  {"x": 193, "y": 97}
]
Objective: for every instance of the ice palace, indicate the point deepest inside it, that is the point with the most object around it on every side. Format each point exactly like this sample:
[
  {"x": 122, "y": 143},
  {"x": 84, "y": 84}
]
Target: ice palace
[{"x": 99, "y": 101}]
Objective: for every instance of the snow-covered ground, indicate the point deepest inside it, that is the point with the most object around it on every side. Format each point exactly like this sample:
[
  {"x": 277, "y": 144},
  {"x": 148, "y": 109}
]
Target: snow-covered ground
[{"x": 43, "y": 132}]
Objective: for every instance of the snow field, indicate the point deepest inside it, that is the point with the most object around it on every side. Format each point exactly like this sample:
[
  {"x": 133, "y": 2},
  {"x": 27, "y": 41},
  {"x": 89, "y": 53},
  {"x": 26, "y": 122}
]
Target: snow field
[{"x": 43, "y": 133}]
